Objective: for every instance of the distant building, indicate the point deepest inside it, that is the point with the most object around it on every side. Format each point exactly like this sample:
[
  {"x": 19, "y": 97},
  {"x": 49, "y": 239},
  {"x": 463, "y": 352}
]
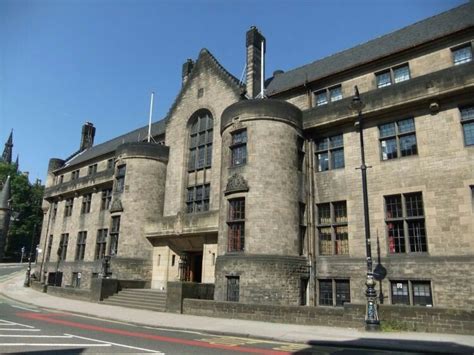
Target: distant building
[{"x": 262, "y": 197}]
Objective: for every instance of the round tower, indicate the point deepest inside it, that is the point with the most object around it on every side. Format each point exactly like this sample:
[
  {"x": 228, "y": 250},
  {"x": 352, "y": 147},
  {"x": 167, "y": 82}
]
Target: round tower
[{"x": 259, "y": 253}]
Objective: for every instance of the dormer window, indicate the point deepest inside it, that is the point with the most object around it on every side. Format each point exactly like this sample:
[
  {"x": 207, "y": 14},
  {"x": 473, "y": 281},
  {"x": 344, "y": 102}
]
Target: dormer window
[
  {"x": 322, "y": 97},
  {"x": 462, "y": 54},
  {"x": 393, "y": 75}
]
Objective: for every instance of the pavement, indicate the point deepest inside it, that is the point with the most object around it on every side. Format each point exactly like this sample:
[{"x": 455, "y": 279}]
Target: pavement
[{"x": 12, "y": 288}]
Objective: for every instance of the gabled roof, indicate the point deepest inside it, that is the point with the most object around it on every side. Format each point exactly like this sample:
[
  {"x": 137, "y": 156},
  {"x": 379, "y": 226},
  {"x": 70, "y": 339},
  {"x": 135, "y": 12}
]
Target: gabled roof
[
  {"x": 139, "y": 134},
  {"x": 426, "y": 30}
]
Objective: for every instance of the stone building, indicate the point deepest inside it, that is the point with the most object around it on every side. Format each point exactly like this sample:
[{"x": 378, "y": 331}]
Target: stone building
[{"x": 262, "y": 197}]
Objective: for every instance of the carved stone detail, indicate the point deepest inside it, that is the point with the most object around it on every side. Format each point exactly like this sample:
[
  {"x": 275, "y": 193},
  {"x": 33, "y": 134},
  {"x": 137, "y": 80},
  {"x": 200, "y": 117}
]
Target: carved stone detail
[
  {"x": 116, "y": 205},
  {"x": 236, "y": 183}
]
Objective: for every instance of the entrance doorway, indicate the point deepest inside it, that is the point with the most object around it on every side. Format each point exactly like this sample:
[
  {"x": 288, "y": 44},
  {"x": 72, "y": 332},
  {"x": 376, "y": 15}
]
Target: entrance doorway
[{"x": 191, "y": 267}]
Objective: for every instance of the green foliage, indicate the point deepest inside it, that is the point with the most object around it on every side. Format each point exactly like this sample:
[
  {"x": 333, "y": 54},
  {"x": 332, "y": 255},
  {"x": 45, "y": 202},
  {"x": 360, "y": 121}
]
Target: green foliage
[
  {"x": 396, "y": 326},
  {"x": 26, "y": 211}
]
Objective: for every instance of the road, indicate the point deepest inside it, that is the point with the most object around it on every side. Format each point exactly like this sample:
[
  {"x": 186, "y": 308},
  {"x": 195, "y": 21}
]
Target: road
[{"x": 25, "y": 328}]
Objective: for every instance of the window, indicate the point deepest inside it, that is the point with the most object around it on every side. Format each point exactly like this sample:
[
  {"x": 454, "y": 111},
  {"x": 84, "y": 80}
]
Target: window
[
  {"x": 398, "y": 139},
  {"x": 233, "y": 288},
  {"x": 332, "y": 228},
  {"x": 416, "y": 293},
  {"x": 86, "y": 203},
  {"x": 120, "y": 178},
  {"x": 173, "y": 260},
  {"x": 106, "y": 199},
  {"x": 198, "y": 198},
  {"x": 62, "y": 251},
  {"x": 101, "y": 243},
  {"x": 462, "y": 54},
  {"x": 76, "y": 280},
  {"x": 48, "y": 250},
  {"x": 61, "y": 179},
  {"x": 54, "y": 210},
  {"x": 330, "y": 153},
  {"x": 393, "y": 75},
  {"x": 322, "y": 97},
  {"x": 200, "y": 148},
  {"x": 303, "y": 291},
  {"x": 302, "y": 229},
  {"x": 238, "y": 148},
  {"x": 114, "y": 235},
  {"x": 92, "y": 169},
  {"x": 236, "y": 225},
  {"x": 301, "y": 153},
  {"x": 81, "y": 245},
  {"x": 405, "y": 222},
  {"x": 327, "y": 289},
  {"x": 75, "y": 175},
  {"x": 467, "y": 121},
  {"x": 110, "y": 163},
  {"x": 68, "y": 207}
]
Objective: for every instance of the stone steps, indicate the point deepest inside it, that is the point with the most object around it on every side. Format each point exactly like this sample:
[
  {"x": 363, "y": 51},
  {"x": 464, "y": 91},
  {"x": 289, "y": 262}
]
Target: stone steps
[{"x": 153, "y": 300}]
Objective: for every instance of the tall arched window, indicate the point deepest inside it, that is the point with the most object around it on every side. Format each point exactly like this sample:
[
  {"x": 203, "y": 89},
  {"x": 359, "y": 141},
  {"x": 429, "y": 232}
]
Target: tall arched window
[{"x": 200, "y": 148}]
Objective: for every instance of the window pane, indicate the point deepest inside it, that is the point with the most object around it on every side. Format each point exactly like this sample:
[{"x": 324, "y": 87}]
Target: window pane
[
  {"x": 393, "y": 206},
  {"x": 209, "y": 155},
  {"x": 236, "y": 237},
  {"x": 323, "y": 161},
  {"x": 192, "y": 160},
  {"x": 194, "y": 139},
  {"x": 467, "y": 113},
  {"x": 462, "y": 55},
  {"x": 422, "y": 293},
  {"x": 401, "y": 73},
  {"x": 417, "y": 236},
  {"x": 322, "y": 144},
  {"x": 239, "y": 155},
  {"x": 407, "y": 125},
  {"x": 387, "y": 130},
  {"x": 396, "y": 237},
  {"x": 207, "y": 189},
  {"x": 343, "y": 292},
  {"x": 337, "y": 157},
  {"x": 336, "y": 141},
  {"x": 325, "y": 246},
  {"x": 389, "y": 148},
  {"x": 324, "y": 214},
  {"x": 414, "y": 204},
  {"x": 408, "y": 145},
  {"x": 468, "y": 129},
  {"x": 335, "y": 93},
  {"x": 239, "y": 137},
  {"x": 400, "y": 292},
  {"x": 201, "y": 157},
  {"x": 202, "y": 138},
  {"x": 342, "y": 241},
  {"x": 325, "y": 292},
  {"x": 321, "y": 98},
  {"x": 383, "y": 79},
  {"x": 340, "y": 212}
]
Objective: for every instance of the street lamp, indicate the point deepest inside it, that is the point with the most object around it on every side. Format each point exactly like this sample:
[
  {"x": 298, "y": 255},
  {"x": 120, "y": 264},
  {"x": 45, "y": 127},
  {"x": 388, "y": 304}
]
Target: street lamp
[{"x": 372, "y": 321}]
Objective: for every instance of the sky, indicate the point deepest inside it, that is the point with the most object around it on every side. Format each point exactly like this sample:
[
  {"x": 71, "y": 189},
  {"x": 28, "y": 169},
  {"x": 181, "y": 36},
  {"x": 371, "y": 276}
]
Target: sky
[{"x": 65, "y": 62}]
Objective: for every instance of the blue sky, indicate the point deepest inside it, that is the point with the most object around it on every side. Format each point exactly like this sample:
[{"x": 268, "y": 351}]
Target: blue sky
[{"x": 64, "y": 62}]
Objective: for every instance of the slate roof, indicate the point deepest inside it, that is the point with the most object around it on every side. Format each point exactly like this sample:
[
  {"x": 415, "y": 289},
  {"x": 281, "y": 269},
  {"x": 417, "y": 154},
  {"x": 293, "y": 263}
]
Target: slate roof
[
  {"x": 426, "y": 30},
  {"x": 157, "y": 128}
]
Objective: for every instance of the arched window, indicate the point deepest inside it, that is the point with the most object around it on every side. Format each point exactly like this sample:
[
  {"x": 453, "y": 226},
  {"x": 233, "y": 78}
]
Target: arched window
[{"x": 200, "y": 148}]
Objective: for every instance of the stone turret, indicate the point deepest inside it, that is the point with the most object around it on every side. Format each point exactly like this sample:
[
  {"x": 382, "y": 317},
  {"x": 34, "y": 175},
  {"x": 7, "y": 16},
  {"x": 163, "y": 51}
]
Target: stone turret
[
  {"x": 259, "y": 244},
  {"x": 5, "y": 210}
]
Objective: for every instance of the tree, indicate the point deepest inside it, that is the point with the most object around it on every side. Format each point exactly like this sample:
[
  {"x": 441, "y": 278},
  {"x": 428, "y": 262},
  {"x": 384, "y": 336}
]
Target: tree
[{"x": 26, "y": 213}]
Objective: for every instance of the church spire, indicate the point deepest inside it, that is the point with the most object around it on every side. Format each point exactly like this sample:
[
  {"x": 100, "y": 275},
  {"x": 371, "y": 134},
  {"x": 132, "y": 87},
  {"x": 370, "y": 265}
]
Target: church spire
[{"x": 8, "y": 150}]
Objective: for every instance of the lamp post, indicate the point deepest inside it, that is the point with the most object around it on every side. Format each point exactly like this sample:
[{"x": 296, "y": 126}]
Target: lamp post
[{"x": 371, "y": 316}]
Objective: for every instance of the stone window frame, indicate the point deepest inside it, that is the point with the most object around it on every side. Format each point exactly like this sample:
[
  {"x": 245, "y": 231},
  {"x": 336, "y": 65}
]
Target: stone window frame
[
  {"x": 92, "y": 169},
  {"x": 62, "y": 250},
  {"x": 333, "y": 222},
  {"x": 391, "y": 75},
  {"x": 402, "y": 216},
  {"x": 114, "y": 235},
  {"x": 238, "y": 147},
  {"x": 455, "y": 50},
  {"x": 466, "y": 114},
  {"x": 327, "y": 95},
  {"x": 236, "y": 225},
  {"x": 329, "y": 146},
  {"x": 335, "y": 292},
  {"x": 75, "y": 174},
  {"x": 398, "y": 134},
  {"x": 68, "y": 207},
  {"x": 81, "y": 245},
  {"x": 106, "y": 199},
  {"x": 86, "y": 203},
  {"x": 54, "y": 210},
  {"x": 194, "y": 199},
  {"x": 412, "y": 292},
  {"x": 110, "y": 163},
  {"x": 200, "y": 149},
  {"x": 101, "y": 243},
  {"x": 120, "y": 173}
]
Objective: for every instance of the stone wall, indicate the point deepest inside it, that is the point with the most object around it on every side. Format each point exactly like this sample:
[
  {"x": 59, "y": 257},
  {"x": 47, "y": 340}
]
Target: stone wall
[{"x": 423, "y": 319}]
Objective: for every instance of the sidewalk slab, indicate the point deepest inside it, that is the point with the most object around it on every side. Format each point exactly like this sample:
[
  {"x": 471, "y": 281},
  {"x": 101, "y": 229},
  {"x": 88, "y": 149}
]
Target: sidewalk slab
[{"x": 13, "y": 288}]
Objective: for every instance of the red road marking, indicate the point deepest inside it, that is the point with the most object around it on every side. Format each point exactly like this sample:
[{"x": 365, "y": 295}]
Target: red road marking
[{"x": 50, "y": 319}]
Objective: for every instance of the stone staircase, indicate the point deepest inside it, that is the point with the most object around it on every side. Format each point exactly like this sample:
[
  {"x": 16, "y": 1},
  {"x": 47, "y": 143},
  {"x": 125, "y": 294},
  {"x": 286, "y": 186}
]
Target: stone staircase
[{"x": 153, "y": 300}]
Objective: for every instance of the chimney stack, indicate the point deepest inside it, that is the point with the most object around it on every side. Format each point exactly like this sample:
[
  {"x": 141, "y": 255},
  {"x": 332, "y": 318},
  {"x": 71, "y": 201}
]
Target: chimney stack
[
  {"x": 187, "y": 68},
  {"x": 87, "y": 136},
  {"x": 254, "y": 61}
]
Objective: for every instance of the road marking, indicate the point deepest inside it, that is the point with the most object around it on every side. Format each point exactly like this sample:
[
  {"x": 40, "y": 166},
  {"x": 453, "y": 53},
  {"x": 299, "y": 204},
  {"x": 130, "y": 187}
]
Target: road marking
[
  {"x": 58, "y": 345},
  {"x": 292, "y": 347},
  {"x": 230, "y": 341},
  {"x": 26, "y": 309},
  {"x": 34, "y": 336},
  {"x": 21, "y": 330},
  {"x": 116, "y": 344},
  {"x": 13, "y": 323}
]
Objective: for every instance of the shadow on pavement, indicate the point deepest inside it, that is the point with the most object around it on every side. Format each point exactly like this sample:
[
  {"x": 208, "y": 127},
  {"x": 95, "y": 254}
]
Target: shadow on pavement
[
  {"x": 385, "y": 346},
  {"x": 48, "y": 352}
]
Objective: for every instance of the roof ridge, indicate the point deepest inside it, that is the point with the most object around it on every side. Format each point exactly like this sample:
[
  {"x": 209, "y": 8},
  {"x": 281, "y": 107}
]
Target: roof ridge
[{"x": 220, "y": 66}]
